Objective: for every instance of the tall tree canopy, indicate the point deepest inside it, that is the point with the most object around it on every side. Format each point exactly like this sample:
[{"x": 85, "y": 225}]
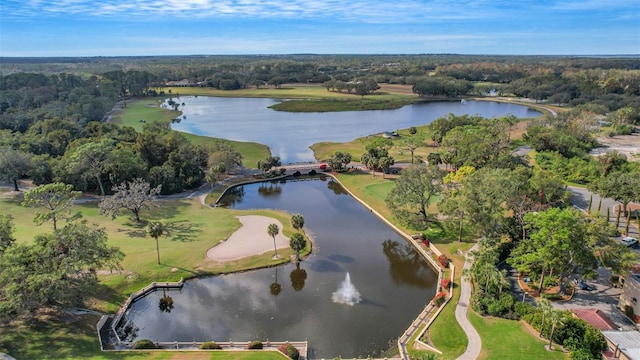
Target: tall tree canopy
[
  {"x": 57, "y": 200},
  {"x": 58, "y": 270},
  {"x": 414, "y": 191}
]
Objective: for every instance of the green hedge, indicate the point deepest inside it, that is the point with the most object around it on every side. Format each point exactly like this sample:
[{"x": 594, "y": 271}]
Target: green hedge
[
  {"x": 289, "y": 350},
  {"x": 210, "y": 345},
  {"x": 144, "y": 344}
]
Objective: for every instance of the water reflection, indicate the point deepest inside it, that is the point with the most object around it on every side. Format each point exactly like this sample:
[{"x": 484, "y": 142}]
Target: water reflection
[
  {"x": 336, "y": 188},
  {"x": 166, "y": 303},
  {"x": 298, "y": 277},
  {"x": 406, "y": 266},
  {"x": 254, "y": 304},
  {"x": 233, "y": 196},
  {"x": 275, "y": 288},
  {"x": 289, "y": 135},
  {"x": 270, "y": 188}
]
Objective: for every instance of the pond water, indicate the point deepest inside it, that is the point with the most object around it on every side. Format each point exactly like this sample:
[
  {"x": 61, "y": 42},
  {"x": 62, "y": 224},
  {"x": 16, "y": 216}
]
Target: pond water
[
  {"x": 296, "y": 302},
  {"x": 289, "y": 135}
]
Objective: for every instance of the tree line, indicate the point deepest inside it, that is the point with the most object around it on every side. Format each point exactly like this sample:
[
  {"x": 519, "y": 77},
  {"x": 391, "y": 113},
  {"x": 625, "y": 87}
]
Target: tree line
[
  {"x": 521, "y": 214},
  {"x": 613, "y": 83}
]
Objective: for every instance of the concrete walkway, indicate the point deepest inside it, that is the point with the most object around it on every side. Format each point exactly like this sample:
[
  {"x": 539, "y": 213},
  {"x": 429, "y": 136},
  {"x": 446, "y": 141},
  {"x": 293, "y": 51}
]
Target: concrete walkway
[{"x": 475, "y": 344}]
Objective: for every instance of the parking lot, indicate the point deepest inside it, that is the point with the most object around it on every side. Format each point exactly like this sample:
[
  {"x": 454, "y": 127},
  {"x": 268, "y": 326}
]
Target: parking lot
[{"x": 602, "y": 295}]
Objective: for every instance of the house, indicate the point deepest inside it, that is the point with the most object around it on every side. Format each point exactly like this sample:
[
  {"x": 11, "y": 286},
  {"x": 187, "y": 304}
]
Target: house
[
  {"x": 624, "y": 345},
  {"x": 181, "y": 83},
  {"x": 631, "y": 291},
  {"x": 595, "y": 318}
]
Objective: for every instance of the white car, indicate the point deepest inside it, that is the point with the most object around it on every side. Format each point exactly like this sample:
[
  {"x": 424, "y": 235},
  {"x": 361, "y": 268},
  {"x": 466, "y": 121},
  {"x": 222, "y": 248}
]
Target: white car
[{"x": 629, "y": 241}]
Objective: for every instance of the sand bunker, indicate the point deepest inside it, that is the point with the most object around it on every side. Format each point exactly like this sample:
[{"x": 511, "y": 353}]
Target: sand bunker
[{"x": 251, "y": 239}]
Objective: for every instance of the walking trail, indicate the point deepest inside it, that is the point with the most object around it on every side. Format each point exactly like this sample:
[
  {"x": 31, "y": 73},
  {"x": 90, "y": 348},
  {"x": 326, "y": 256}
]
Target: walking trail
[{"x": 475, "y": 344}]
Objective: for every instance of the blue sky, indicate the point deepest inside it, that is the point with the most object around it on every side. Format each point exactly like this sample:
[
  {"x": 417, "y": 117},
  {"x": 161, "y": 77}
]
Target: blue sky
[{"x": 187, "y": 27}]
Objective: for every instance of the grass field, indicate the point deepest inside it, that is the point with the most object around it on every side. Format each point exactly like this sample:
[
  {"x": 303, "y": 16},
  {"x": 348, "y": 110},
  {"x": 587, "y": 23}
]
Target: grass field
[
  {"x": 290, "y": 91},
  {"x": 445, "y": 332},
  {"x": 149, "y": 110},
  {"x": 325, "y": 150},
  {"x": 510, "y": 339},
  {"x": 76, "y": 338},
  {"x": 193, "y": 229},
  {"x": 310, "y": 98}
]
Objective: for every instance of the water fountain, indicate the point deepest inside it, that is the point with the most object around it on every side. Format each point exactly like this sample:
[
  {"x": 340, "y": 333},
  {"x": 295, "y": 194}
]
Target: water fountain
[{"x": 347, "y": 293}]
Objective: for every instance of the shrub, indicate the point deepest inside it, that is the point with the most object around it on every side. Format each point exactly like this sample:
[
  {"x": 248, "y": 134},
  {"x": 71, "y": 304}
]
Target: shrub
[
  {"x": 297, "y": 173},
  {"x": 439, "y": 298},
  {"x": 446, "y": 283},
  {"x": 624, "y": 129},
  {"x": 144, "y": 344},
  {"x": 554, "y": 296},
  {"x": 289, "y": 350},
  {"x": 522, "y": 309},
  {"x": 282, "y": 171},
  {"x": 312, "y": 172},
  {"x": 210, "y": 345},
  {"x": 255, "y": 344},
  {"x": 628, "y": 310},
  {"x": 443, "y": 260}
]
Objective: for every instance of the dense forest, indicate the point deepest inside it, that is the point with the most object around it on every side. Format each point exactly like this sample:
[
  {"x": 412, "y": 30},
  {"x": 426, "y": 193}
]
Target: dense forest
[{"x": 52, "y": 110}]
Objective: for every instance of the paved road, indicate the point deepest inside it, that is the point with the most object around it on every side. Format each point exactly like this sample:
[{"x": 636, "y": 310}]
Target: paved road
[
  {"x": 475, "y": 343},
  {"x": 580, "y": 199},
  {"x": 601, "y": 296}
]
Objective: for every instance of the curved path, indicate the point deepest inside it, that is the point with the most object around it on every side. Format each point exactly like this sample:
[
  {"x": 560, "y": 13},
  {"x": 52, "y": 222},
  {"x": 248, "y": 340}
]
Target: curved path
[{"x": 475, "y": 344}]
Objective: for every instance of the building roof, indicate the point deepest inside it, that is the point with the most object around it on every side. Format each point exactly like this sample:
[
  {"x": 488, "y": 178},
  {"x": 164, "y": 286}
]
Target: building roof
[
  {"x": 595, "y": 318},
  {"x": 627, "y": 341}
]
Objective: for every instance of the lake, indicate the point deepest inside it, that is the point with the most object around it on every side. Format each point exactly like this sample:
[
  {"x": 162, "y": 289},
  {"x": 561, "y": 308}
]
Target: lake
[
  {"x": 289, "y": 135},
  {"x": 395, "y": 283}
]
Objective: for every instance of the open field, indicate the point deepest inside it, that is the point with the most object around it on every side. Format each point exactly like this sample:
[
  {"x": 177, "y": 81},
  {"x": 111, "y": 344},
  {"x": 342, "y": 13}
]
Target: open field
[
  {"x": 75, "y": 338},
  {"x": 310, "y": 98},
  {"x": 193, "y": 229},
  {"x": 510, "y": 339},
  {"x": 290, "y": 91},
  {"x": 325, "y": 150}
]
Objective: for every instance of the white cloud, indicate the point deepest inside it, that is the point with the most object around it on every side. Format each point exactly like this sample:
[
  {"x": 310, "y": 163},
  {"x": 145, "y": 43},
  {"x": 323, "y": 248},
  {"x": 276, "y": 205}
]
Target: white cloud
[{"x": 368, "y": 11}]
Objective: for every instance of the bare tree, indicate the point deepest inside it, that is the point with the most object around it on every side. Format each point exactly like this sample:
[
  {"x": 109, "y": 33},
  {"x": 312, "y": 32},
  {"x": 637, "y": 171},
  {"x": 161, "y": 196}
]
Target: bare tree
[{"x": 135, "y": 196}]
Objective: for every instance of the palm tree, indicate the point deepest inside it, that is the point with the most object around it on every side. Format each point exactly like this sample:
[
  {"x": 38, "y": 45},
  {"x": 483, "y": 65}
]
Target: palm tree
[
  {"x": 503, "y": 282},
  {"x": 156, "y": 229},
  {"x": 556, "y": 318},
  {"x": 297, "y": 221},
  {"x": 273, "y": 230},
  {"x": 545, "y": 308},
  {"x": 297, "y": 243}
]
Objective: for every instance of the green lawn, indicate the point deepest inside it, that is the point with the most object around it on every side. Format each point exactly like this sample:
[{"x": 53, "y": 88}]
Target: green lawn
[
  {"x": 325, "y": 150},
  {"x": 510, "y": 339},
  {"x": 149, "y": 110},
  {"x": 76, "y": 338},
  {"x": 445, "y": 332},
  {"x": 285, "y": 92},
  {"x": 193, "y": 228}
]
